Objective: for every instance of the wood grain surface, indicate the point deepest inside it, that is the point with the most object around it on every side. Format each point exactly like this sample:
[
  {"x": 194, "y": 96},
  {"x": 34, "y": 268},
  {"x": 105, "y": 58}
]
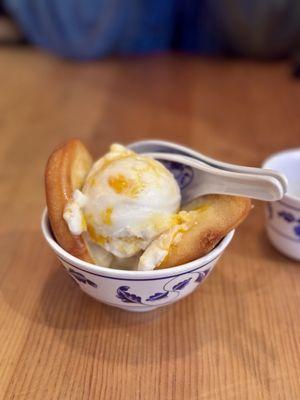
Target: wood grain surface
[{"x": 238, "y": 336}]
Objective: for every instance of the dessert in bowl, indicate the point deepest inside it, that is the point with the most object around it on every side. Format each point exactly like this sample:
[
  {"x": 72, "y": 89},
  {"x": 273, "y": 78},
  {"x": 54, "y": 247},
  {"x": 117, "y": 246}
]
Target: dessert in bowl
[{"x": 120, "y": 230}]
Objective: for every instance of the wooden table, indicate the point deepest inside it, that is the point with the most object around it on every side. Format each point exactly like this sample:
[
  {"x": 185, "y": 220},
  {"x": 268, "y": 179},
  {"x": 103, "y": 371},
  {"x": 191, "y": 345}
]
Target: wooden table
[{"x": 238, "y": 336}]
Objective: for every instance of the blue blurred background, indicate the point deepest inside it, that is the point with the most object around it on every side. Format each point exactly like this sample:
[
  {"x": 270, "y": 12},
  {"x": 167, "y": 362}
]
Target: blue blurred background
[{"x": 90, "y": 29}]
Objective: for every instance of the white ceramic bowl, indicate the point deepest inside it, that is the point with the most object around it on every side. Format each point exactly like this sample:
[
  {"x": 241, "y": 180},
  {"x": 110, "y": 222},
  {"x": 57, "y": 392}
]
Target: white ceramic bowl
[
  {"x": 136, "y": 290},
  {"x": 283, "y": 216}
]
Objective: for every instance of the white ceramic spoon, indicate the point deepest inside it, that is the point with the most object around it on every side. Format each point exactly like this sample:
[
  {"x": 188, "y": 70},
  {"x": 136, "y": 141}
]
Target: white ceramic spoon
[
  {"x": 162, "y": 146},
  {"x": 196, "y": 178}
]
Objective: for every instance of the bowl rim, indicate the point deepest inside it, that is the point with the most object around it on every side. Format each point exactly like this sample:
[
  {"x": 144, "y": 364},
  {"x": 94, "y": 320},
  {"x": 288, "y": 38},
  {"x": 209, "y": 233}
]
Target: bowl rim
[
  {"x": 119, "y": 273},
  {"x": 272, "y": 157}
]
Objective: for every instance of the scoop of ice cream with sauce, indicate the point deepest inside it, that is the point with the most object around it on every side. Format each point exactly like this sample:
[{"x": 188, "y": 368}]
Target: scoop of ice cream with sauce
[{"x": 127, "y": 201}]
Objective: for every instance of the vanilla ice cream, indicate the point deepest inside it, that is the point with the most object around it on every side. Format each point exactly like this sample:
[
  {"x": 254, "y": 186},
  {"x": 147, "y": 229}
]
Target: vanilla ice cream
[
  {"x": 159, "y": 248},
  {"x": 127, "y": 201}
]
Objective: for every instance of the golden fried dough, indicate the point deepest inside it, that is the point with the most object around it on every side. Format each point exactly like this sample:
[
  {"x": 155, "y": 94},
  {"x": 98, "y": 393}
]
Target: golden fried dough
[
  {"x": 213, "y": 217},
  {"x": 66, "y": 171}
]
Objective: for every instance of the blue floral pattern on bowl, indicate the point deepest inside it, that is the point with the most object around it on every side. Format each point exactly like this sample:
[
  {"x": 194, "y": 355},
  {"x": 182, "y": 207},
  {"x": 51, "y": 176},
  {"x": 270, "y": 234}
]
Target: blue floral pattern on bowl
[
  {"x": 139, "y": 294},
  {"x": 290, "y": 218},
  {"x": 284, "y": 221},
  {"x": 81, "y": 278},
  {"x": 182, "y": 173},
  {"x": 126, "y": 296}
]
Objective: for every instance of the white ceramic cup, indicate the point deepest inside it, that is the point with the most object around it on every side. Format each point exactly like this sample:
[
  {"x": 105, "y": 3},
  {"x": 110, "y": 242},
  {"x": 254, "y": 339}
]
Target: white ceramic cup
[
  {"x": 136, "y": 290},
  {"x": 283, "y": 216}
]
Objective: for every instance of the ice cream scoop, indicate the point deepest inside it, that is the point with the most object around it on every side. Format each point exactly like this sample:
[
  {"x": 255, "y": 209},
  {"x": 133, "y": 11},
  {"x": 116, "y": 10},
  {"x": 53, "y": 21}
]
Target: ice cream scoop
[{"x": 126, "y": 201}]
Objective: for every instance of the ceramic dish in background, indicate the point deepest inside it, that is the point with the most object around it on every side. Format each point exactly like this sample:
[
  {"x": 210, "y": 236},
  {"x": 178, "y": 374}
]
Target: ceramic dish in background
[
  {"x": 283, "y": 216},
  {"x": 136, "y": 290}
]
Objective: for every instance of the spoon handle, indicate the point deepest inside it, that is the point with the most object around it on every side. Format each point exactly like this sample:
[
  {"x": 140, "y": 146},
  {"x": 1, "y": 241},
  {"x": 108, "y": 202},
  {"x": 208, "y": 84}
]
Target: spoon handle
[
  {"x": 146, "y": 146},
  {"x": 257, "y": 187},
  {"x": 208, "y": 180}
]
